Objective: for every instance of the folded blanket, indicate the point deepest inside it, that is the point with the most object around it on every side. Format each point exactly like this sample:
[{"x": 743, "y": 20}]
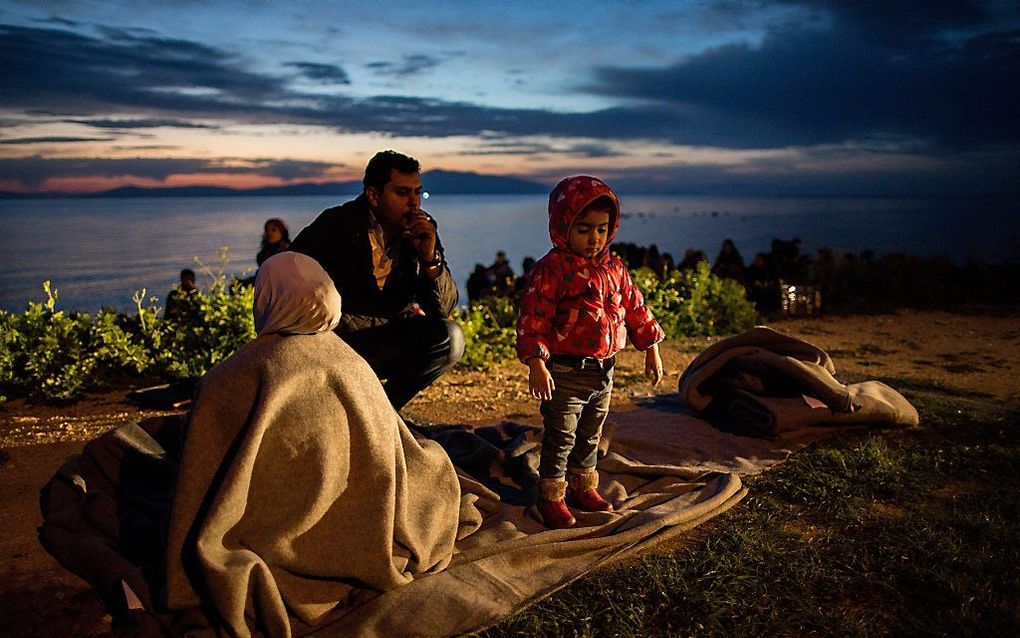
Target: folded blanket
[{"x": 765, "y": 383}]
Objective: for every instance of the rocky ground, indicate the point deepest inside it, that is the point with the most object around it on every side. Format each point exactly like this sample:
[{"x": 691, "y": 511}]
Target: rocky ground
[{"x": 973, "y": 355}]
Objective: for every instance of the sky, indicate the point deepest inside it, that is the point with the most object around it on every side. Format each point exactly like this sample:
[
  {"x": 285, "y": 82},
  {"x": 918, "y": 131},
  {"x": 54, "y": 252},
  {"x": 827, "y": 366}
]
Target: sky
[{"x": 761, "y": 97}]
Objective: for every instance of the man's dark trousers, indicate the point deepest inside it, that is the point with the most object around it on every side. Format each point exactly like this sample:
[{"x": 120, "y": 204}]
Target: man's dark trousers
[{"x": 409, "y": 353}]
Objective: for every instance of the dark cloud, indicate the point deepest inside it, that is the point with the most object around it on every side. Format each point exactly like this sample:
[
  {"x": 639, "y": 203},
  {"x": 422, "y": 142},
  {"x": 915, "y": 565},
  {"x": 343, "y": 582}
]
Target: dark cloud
[
  {"x": 803, "y": 87},
  {"x": 62, "y": 71},
  {"x": 962, "y": 177},
  {"x": 140, "y": 123},
  {"x": 529, "y": 148},
  {"x": 31, "y": 172},
  {"x": 291, "y": 170},
  {"x": 54, "y": 140},
  {"x": 409, "y": 65},
  {"x": 327, "y": 73}
]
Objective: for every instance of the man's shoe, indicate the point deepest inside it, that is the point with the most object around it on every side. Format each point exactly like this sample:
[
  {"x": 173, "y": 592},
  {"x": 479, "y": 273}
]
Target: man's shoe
[
  {"x": 552, "y": 505},
  {"x": 584, "y": 488}
]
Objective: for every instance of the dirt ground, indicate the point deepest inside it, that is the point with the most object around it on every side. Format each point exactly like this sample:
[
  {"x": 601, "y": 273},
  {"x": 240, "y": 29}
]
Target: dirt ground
[{"x": 966, "y": 355}]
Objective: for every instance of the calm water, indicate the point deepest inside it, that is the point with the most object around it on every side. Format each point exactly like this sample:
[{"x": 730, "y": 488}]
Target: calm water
[{"x": 98, "y": 251}]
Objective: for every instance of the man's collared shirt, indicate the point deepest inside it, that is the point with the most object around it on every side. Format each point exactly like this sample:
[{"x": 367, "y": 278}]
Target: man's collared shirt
[{"x": 382, "y": 255}]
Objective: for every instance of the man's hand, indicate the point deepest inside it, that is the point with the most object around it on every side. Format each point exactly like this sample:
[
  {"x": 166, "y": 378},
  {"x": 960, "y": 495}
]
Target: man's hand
[
  {"x": 422, "y": 233},
  {"x": 540, "y": 382},
  {"x": 653, "y": 364}
]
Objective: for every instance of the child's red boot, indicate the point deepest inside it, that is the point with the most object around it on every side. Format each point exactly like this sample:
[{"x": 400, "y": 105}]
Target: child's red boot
[
  {"x": 551, "y": 504},
  {"x": 584, "y": 487}
]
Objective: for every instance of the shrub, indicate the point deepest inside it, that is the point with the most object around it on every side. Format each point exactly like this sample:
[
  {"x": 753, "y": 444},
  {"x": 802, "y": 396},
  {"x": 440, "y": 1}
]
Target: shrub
[
  {"x": 46, "y": 353},
  {"x": 690, "y": 303},
  {"x": 489, "y": 331}
]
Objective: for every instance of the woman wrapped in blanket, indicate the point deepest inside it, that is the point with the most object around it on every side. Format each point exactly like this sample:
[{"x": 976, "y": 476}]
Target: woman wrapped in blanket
[{"x": 301, "y": 490}]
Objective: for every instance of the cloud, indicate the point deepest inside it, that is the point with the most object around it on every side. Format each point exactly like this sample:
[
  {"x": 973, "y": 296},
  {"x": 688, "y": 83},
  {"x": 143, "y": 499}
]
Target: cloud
[
  {"x": 65, "y": 72},
  {"x": 141, "y": 123},
  {"x": 32, "y": 172},
  {"x": 409, "y": 65},
  {"x": 532, "y": 148},
  {"x": 326, "y": 73},
  {"x": 54, "y": 139},
  {"x": 806, "y": 85}
]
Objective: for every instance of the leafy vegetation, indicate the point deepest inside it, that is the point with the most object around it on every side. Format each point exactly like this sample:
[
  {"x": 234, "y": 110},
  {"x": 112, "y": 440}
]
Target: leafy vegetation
[{"x": 51, "y": 354}]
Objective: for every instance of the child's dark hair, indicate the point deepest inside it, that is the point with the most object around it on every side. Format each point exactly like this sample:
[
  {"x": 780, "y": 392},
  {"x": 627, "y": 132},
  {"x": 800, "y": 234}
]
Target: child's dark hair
[{"x": 604, "y": 204}]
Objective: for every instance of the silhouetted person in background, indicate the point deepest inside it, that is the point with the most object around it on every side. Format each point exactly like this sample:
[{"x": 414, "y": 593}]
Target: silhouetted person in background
[
  {"x": 479, "y": 283},
  {"x": 691, "y": 259},
  {"x": 182, "y": 300},
  {"x": 502, "y": 274},
  {"x": 521, "y": 283},
  {"x": 763, "y": 285},
  {"x": 729, "y": 264},
  {"x": 275, "y": 239}
]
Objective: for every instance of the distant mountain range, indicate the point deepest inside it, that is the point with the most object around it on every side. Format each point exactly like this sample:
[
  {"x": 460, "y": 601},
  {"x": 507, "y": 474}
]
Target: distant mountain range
[{"x": 436, "y": 182}]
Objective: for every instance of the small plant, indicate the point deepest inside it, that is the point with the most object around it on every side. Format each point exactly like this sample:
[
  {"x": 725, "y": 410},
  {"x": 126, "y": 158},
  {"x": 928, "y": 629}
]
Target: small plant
[
  {"x": 689, "y": 303},
  {"x": 489, "y": 333}
]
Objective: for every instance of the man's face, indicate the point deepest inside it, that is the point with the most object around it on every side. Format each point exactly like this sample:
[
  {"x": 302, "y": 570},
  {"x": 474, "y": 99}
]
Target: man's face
[{"x": 396, "y": 201}]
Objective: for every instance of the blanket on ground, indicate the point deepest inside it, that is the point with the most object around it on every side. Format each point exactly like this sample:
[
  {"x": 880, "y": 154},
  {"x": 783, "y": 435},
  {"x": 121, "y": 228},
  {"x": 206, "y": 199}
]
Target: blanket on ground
[
  {"x": 343, "y": 524},
  {"x": 765, "y": 383},
  {"x": 665, "y": 471}
]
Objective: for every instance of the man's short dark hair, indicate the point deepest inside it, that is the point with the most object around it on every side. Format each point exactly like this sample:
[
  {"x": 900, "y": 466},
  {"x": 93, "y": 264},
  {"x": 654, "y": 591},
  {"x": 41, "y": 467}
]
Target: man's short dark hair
[
  {"x": 381, "y": 166},
  {"x": 187, "y": 272}
]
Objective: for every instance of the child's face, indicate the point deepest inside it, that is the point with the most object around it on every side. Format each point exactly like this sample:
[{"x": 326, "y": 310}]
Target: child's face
[{"x": 589, "y": 231}]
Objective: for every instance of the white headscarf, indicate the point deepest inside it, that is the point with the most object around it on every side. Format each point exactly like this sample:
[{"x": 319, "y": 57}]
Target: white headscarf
[{"x": 294, "y": 295}]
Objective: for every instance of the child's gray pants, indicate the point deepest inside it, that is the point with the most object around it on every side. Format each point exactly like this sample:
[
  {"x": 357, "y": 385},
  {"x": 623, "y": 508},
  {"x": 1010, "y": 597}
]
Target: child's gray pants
[{"x": 573, "y": 418}]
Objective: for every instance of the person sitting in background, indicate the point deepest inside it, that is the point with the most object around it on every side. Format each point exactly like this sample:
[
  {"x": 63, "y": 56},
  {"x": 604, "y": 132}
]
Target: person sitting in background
[
  {"x": 763, "y": 285},
  {"x": 502, "y": 273},
  {"x": 729, "y": 264},
  {"x": 275, "y": 239},
  {"x": 182, "y": 300},
  {"x": 691, "y": 259},
  {"x": 521, "y": 283},
  {"x": 480, "y": 284}
]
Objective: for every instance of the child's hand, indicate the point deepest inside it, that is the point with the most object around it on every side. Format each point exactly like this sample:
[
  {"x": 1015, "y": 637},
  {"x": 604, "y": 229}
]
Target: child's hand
[
  {"x": 540, "y": 382},
  {"x": 653, "y": 365}
]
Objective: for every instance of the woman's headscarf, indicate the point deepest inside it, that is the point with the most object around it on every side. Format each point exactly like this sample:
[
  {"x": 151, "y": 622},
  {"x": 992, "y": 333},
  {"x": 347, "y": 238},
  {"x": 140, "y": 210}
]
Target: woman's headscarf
[{"x": 294, "y": 295}]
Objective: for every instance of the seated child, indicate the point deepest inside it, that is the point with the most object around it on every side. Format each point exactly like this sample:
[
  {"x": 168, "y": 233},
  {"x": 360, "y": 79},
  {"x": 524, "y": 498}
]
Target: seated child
[{"x": 577, "y": 311}]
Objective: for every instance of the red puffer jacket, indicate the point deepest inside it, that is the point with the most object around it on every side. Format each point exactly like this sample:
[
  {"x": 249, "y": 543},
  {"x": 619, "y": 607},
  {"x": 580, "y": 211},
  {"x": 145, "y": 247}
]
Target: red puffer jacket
[{"x": 579, "y": 306}]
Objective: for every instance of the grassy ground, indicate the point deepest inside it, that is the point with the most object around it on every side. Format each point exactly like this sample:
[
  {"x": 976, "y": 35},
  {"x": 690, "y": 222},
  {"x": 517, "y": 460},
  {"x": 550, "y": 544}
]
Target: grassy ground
[
  {"x": 905, "y": 533},
  {"x": 912, "y": 533}
]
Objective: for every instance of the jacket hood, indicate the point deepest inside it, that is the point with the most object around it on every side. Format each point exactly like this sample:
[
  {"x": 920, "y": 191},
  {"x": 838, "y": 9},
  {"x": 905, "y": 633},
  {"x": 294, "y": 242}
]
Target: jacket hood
[{"x": 569, "y": 198}]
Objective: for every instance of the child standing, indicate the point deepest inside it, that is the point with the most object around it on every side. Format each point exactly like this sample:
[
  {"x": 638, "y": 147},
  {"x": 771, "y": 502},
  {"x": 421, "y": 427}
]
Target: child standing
[{"x": 578, "y": 309}]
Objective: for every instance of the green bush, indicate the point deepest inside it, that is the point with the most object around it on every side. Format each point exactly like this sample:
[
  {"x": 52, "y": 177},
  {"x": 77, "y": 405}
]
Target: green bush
[
  {"x": 686, "y": 304},
  {"x": 689, "y": 303},
  {"x": 46, "y": 353},
  {"x": 489, "y": 331}
]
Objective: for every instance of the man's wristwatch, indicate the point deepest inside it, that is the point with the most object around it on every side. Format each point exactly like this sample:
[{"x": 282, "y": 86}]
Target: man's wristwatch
[{"x": 435, "y": 262}]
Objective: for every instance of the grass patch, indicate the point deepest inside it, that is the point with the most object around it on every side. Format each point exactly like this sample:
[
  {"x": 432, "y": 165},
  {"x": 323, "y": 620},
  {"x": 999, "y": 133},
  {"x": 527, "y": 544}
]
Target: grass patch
[{"x": 914, "y": 533}]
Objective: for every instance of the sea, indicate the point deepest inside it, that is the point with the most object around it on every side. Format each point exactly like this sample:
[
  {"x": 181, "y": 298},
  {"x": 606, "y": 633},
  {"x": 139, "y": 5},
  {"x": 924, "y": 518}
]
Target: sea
[{"x": 98, "y": 252}]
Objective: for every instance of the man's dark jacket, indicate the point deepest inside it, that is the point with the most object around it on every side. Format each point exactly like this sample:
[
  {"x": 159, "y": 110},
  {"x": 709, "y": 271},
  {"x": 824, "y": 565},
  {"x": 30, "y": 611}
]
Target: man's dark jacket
[{"x": 338, "y": 240}]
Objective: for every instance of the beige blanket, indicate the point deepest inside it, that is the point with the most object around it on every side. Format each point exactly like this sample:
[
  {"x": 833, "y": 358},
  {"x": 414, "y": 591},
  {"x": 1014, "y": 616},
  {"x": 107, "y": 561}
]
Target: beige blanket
[
  {"x": 304, "y": 505},
  {"x": 766, "y": 383}
]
